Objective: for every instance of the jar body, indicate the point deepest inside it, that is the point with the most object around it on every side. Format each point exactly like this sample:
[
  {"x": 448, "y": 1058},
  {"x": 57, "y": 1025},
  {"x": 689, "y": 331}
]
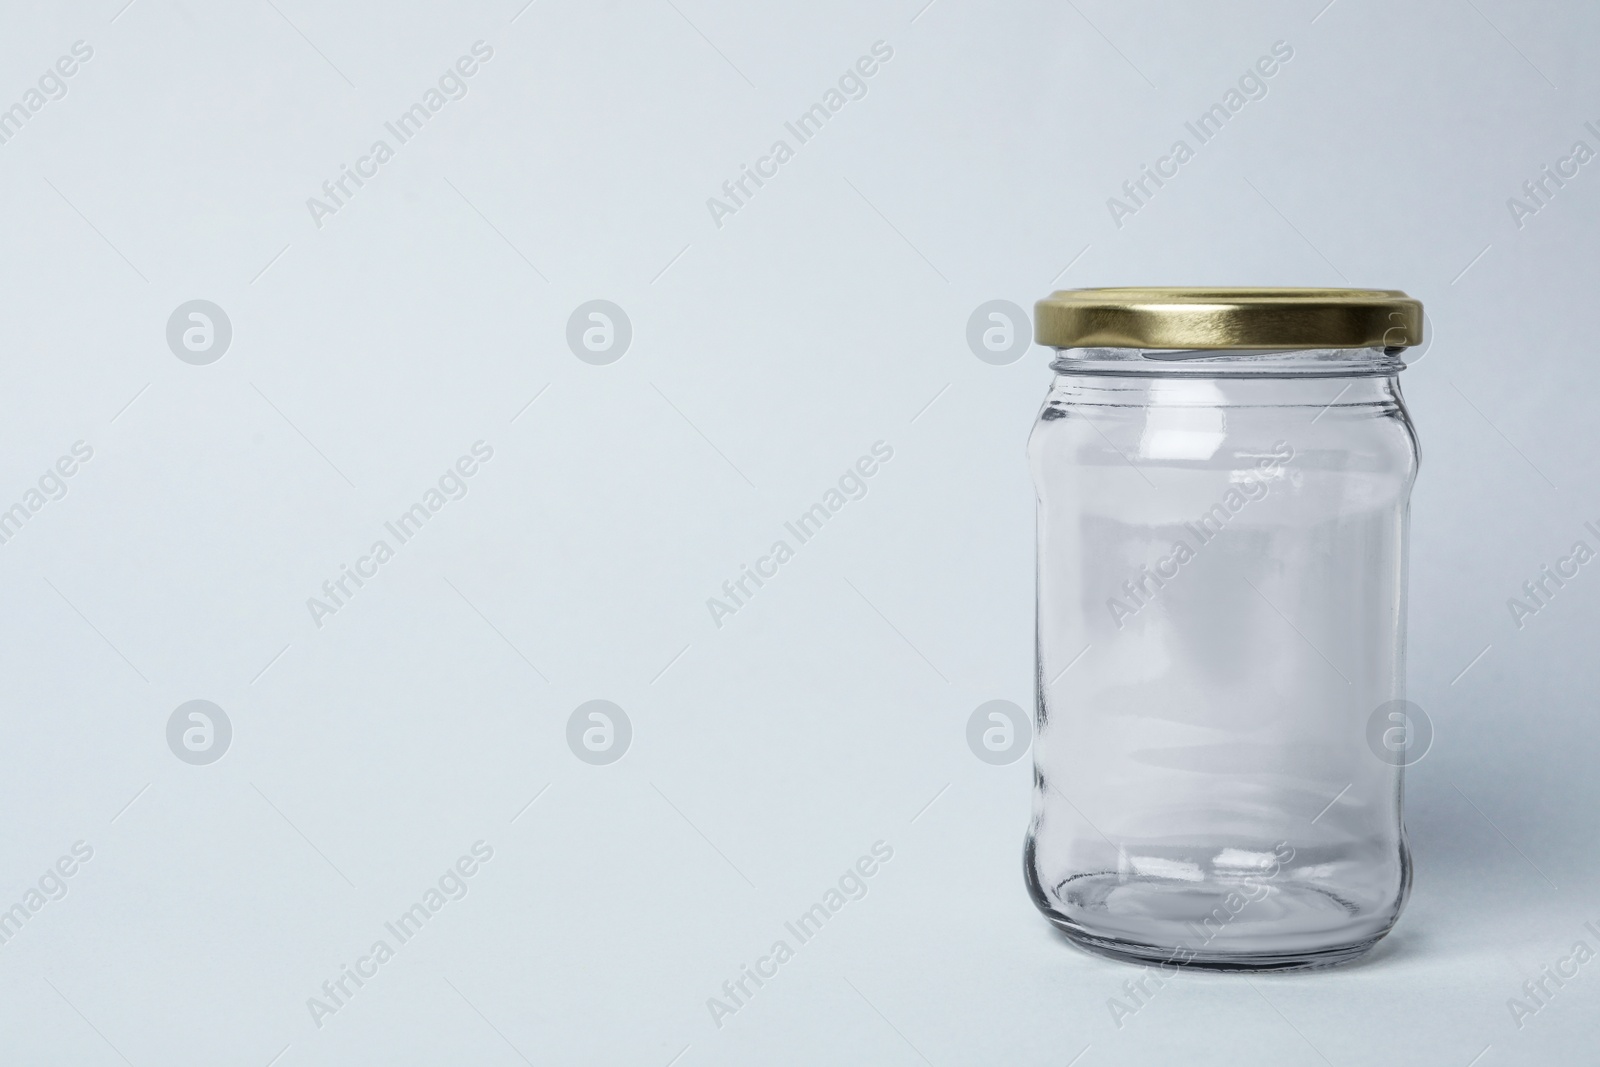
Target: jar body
[{"x": 1221, "y": 613}]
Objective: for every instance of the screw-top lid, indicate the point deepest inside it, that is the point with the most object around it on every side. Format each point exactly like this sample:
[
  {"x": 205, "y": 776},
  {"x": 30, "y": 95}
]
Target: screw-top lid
[{"x": 1184, "y": 317}]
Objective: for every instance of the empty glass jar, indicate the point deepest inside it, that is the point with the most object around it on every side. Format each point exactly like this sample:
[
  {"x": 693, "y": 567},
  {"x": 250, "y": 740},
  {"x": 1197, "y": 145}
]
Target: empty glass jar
[{"x": 1223, "y": 477}]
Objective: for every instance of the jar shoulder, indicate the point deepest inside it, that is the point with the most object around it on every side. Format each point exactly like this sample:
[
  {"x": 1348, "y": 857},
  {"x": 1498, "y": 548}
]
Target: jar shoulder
[{"x": 1359, "y": 427}]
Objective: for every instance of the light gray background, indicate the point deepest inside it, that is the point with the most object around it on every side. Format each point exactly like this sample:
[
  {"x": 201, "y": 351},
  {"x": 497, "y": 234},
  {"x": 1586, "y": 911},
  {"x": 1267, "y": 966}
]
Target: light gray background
[{"x": 768, "y": 354}]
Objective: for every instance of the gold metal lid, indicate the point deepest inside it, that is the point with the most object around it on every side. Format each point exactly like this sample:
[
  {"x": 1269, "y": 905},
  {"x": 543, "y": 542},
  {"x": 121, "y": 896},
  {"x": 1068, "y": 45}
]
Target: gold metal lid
[{"x": 1206, "y": 318}]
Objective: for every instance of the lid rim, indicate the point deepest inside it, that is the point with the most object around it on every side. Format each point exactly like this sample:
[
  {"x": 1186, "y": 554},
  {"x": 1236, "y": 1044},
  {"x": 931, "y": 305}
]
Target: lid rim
[{"x": 1228, "y": 318}]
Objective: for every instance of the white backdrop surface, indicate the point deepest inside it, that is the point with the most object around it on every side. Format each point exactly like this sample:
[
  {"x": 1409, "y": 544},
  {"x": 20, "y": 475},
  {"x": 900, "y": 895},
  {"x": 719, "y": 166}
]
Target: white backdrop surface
[{"x": 387, "y": 336}]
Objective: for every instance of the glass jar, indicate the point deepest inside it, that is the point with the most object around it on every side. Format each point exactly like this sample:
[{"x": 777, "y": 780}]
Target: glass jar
[{"x": 1223, "y": 479}]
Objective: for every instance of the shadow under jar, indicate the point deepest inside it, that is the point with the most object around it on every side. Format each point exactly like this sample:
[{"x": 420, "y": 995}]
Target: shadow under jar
[{"x": 1223, "y": 479}]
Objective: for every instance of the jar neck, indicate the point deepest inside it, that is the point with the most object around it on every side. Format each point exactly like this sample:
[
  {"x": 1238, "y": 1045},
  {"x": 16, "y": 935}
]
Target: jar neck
[
  {"x": 1320, "y": 397},
  {"x": 1236, "y": 363}
]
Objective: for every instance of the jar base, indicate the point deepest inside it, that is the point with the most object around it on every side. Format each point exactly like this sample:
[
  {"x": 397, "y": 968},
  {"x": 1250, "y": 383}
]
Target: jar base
[
  {"x": 1237, "y": 924},
  {"x": 1125, "y": 951}
]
